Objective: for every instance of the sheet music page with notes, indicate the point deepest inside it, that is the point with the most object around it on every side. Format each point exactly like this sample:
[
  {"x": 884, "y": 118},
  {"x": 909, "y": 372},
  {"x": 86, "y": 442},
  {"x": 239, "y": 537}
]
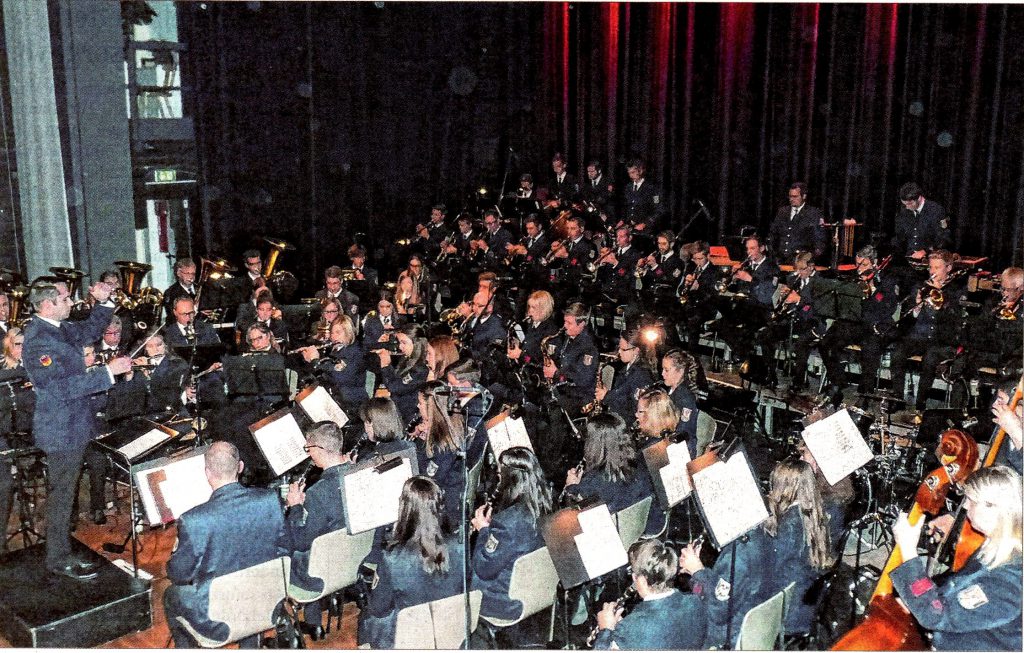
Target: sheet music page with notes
[
  {"x": 730, "y": 498},
  {"x": 282, "y": 442},
  {"x": 371, "y": 497},
  {"x": 674, "y": 475},
  {"x": 509, "y": 432},
  {"x": 186, "y": 486},
  {"x": 599, "y": 544},
  {"x": 837, "y": 446},
  {"x": 320, "y": 406},
  {"x": 143, "y": 443}
]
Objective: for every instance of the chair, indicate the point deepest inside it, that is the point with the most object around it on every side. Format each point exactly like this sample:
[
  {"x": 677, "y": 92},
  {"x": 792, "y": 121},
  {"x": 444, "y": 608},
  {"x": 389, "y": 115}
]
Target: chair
[
  {"x": 245, "y": 600},
  {"x": 534, "y": 583},
  {"x": 473, "y": 480},
  {"x": 762, "y": 625},
  {"x": 334, "y": 558},
  {"x": 632, "y": 520},
  {"x": 787, "y": 601},
  {"x": 371, "y": 383},
  {"x": 438, "y": 624},
  {"x": 706, "y": 428}
]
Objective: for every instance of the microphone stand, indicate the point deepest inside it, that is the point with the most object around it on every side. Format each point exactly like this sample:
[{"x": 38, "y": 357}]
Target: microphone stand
[{"x": 689, "y": 221}]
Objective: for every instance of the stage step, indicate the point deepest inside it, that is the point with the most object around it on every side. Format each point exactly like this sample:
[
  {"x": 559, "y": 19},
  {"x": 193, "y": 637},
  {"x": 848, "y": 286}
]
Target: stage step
[{"x": 41, "y": 610}]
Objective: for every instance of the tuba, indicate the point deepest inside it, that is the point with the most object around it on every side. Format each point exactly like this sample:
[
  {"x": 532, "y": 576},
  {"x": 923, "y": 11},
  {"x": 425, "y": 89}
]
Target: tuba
[
  {"x": 17, "y": 298},
  {"x": 69, "y": 276},
  {"x": 131, "y": 273},
  {"x": 281, "y": 282}
]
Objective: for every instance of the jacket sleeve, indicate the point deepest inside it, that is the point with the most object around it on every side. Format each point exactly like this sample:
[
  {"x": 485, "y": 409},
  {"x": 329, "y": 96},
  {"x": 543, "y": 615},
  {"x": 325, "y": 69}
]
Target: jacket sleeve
[
  {"x": 495, "y": 550},
  {"x": 382, "y": 596},
  {"x": 91, "y": 329},
  {"x": 185, "y": 560},
  {"x": 55, "y": 379}
]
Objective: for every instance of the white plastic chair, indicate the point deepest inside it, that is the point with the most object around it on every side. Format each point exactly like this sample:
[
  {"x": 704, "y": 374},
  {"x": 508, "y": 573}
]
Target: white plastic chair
[{"x": 438, "y": 624}]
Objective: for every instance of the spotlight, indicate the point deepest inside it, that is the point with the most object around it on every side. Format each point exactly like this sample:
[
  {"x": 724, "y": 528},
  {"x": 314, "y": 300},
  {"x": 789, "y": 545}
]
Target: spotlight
[{"x": 651, "y": 335}]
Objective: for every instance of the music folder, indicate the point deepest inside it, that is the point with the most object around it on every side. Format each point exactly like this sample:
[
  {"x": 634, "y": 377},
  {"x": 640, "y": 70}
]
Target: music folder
[
  {"x": 320, "y": 406},
  {"x": 836, "y": 444},
  {"x": 505, "y": 431},
  {"x": 666, "y": 462},
  {"x": 136, "y": 438},
  {"x": 280, "y": 440},
  {"x": 370, "y": 489},
  {"x": 728, "y": 496},
  {"x": 583, "y": 542},
  {"x": 169, "y": 487}
]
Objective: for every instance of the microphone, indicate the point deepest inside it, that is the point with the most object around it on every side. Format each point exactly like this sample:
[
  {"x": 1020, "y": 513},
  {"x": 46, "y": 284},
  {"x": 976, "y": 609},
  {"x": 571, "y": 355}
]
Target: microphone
[{"x": 704, "y": 209}]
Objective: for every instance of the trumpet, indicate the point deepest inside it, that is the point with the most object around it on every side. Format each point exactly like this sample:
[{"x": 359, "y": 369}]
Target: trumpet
[
  {"x": 1007, "y": 310},
  {"x": 628, "y": 595},
  {"x": 556, "y": 247},
  {"x": 601, "y": 260}
]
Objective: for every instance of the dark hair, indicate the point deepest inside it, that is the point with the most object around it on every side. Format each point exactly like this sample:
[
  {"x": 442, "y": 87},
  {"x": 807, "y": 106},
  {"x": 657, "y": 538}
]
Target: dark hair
[
  {"x": 558, "y": 156},
  {"x": 446, "y": 431},
  {"x": 522, "y": 481},
  {"x": 526, "y": 177},
  {"x": 608, "y": 449},
  {"x": 578, "y": 310},
  {"x": 333, "y": 272},
  {"x": 800, "y": 186},
  {"x": 440, "y": 207},
  {"x": 595, "y": 163},
  {"x": 419, "y": 348},
  {"x": 251, "y": 253},
  {"x": 108, "y": 274},
  {"x": 635, "y": 163},
  {"x": 421, "y": 526},
  {"x": 910, "y": 191}
]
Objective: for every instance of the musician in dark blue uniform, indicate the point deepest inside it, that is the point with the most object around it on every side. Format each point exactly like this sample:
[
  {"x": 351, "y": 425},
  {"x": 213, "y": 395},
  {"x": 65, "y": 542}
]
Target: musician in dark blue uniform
[
  {"x": 643, "y": 206},
  {"x": 236, "y": 529},
  {"x": 612, "y": 471},
  {"x": 597, "y": 190},
  {"x": 680, "y": 371},
  {"x": 629, "y": 380},
  {"x": 797, "y": 227},
  {"x": 183, "y": 286},
  {"x": 185, "y": 330},
  {"x": 737, "y": 581},
  {"x": 618, "y": 274},
  {"x": 881, "y": 296},
  {"x": 699, "y": 287},
  {"x": 61, "y": 425},
  {"x": 563, "y": 188},
  {"x": 312, "y": 512},
  {"x": 486, "y": 329},
  {"x": 439, "y": 441},
  {"x": 539, "y": 324},
  {"x": 575, "y": 252},
  {"x": 797, "y": 303},
  {"x": 431, "y": 236},
  {"x": 574, "y": 360},
  {"x": 403, "y": 380},
  {"x": 935, "y": 331},
  {"x": 384, "y": 429},
  {"x": 757, "y": 279},
  {"x": 381, "y": 321},
  {"x": 343, "y": 366},
  {"x": 977, "y": 608},
  {"x": 921, "y": 225},
  {"x": 508, "y": 529},
  {"x": 798, "y": 528},
  {"x": 495, "y": 241},
  {"x": 421, "y": 563},
  {"x": 663, "y": 269},
  {"x": 665, "y": 618}
]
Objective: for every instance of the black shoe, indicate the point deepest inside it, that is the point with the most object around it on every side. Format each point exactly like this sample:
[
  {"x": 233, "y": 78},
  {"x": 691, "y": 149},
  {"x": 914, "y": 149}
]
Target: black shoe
[
  {"x": 315, "y": 632},
  {"x": 99, "y": 517},
  {"x": 74, "y": 571}
]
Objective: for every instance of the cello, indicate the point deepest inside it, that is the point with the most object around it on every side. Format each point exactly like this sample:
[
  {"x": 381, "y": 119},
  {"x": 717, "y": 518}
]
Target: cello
[{"x": 888, "y": 626}]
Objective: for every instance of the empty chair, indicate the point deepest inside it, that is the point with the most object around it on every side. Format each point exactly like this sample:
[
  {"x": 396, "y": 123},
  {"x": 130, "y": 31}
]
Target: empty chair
[
  {"x": 438, "y": 624},
  {"x": 245, "y": 600},
  {"x": 706, "y": 428}
]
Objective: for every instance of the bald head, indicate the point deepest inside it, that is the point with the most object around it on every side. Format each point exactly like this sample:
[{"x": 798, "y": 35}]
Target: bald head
[
  {"x": 223, "y": 464},
  {"x": 482, "y": 304}
]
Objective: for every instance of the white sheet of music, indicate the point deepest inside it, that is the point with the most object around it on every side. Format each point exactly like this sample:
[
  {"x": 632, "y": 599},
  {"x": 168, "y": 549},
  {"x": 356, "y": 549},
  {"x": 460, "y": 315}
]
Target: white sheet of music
[
  {"x": 730, "y": 498},
  {"x": 837, "y": 446},
  {"x": 507, "y": 433},
  {"x": 281, "y": 442},
  {"x": 320, "y": 406},
  {"x": 371, "y": 498},
  {"x": 186, "y": 486},
  {"x": 674, "y": 475},
  {"x": 143, "y": 443},
  {"x": 599, "y": 544}
]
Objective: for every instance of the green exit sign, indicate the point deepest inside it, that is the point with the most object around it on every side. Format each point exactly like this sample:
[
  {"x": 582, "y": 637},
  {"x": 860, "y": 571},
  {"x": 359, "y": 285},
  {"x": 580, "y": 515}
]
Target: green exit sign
[{"x": 164, "y": 176}]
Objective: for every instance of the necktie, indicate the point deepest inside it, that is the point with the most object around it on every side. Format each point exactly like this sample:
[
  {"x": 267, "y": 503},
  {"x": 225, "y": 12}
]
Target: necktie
[
  {"x": 636, "y": 185},
  {"x": 594, "y": 183},
  {"x": 386, "y": 321}
]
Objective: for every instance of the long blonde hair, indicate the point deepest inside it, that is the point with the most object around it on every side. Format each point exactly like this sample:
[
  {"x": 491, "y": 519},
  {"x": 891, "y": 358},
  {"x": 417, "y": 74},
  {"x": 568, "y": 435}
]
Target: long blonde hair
[
  {"x": 1000, "y": 487},
  {"x": 792, "y": 483}
]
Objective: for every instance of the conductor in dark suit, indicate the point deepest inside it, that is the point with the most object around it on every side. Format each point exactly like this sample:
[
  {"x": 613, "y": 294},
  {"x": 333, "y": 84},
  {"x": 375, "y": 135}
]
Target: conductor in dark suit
[
  {"x": 53, "y": 359},
  {"x": 797, "y": 227},
  {"x": 313, "y": 512},
  {"x": 236, "y": 529}
]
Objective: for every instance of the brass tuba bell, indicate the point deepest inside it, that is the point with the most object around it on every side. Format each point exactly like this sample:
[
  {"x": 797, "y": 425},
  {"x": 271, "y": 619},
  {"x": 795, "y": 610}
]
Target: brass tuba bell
[
  {"x": 17, "y": 298},
  {"x": 69, "y": 276},
  {"x": 131, "y": 273},
  {"x": 283, "y": 283}
]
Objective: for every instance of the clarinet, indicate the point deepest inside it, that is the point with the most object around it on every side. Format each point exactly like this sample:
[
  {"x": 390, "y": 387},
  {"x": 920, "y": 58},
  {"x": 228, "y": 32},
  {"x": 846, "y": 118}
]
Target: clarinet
[
  {"x": 579, "y": 472},
  {"x": 619, "y": 604}
]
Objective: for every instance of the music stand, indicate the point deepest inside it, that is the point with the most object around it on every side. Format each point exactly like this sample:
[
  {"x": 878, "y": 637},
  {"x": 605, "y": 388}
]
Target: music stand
[
  {"x": 370, "y": 490},
  {"x": 837, "y": 299},
  {"x": 257, "y": 375},
  {"x": 666, "y": 463},
  {"x": 280, "y": 440},
  {"x": 199, "y": 359},
  {"x": 125, "y": 399}
]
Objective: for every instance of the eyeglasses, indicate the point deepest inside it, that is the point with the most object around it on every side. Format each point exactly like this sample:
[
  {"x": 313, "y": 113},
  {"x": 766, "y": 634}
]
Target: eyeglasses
[
  {"x": 307, "y": 447},
  {"x": 626, "y": 348}
]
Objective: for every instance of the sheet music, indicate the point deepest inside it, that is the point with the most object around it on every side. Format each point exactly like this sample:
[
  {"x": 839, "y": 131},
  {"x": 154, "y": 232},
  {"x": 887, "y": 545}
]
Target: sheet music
[
  {"x": 507, "y": 433},
  {"x": 730, "y": 498},
  {"x": 282, "y": 443},
  {"x": 371, "y": 498},
  {"x": 599, "y": 544},
  {"x": 674, "y": 476},
  {"x": 837, "y": 446},
  {"x": 143, "y": 443},
  {"x": 184, "y": 488},
  {"x": 320, "y": 406}
]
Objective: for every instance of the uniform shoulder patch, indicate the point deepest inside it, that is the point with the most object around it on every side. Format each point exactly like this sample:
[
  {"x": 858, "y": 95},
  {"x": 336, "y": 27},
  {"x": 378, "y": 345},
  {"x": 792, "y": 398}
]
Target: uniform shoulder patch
[
  {"x": 722, "y": 590},
  {"x": 588, "y": 359},
  {"x": 492, "y": 543},
  {"x": 677, "y": 273},
  {"x": 431, "y": 468},
  {"x": 972, "y": 598},
  {"x": 656, "y": 199},
  {"x": 340, "y": 366},
  {"x": 407, "y": 379},
  {"x": 45, "y": 360},
  {"x": 686, "y": 414},
  {"x": 944, "y": 223}
]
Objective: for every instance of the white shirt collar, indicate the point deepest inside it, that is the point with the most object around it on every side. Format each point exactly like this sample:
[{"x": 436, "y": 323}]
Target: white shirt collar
[
  {"x": 661, "y": 595},
  {"x": 48, "y": 320}
]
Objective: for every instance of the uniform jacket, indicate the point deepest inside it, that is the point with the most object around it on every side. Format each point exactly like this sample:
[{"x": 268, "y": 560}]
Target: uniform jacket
[
  {"x": 975, "y": 609},
  {"x": 928, "y": 230},
  {"x": 533, "y": 336},
  {"x": 344, "y": 367},
  {"x": 619, "y": 495},
  {"x": 667, "y": 270},
  {"x": 513, "y": 532},
  {"x": 237, "y": 528},
  {"x": 576, "y": 360},
  {"x": 205, "y": 335},
  {"x": 321, "y": 513},
  {"x": 802, "y": 232},
  {"x": 792, "y": 564},
  {"x": 484, "y": 335},
  {"x": 645, "y": 205},
  {"x": 686, "y": 402},
  {"x": 447, "y": 468},
  {"x": 403, "y": 388},
  {"x": 54, "y": 362},
  {"x": 172, "y": 294},
  {"x": 675, "y": 622},
  {"x": 621, "y": 399}
]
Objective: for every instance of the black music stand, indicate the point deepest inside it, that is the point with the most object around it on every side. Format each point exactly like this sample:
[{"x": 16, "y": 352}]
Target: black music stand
[
  {"x": 15, "y": 456},
  {"x": 199, "y": 359},
  {"x": 125, "y": 399},
  {"x": 256, "y": 375},
  {"x": 678, "y": 489},
  {"x": 837, "y": 299}
]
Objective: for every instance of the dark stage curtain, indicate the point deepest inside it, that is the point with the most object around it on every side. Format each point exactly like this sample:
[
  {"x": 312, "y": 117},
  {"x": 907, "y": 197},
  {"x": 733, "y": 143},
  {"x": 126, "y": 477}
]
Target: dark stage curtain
[{"x": 317, "y": 121}]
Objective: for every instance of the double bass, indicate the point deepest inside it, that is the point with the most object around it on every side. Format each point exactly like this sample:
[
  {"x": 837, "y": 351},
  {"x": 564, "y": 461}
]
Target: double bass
[{"x": 888, "y": 626}]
